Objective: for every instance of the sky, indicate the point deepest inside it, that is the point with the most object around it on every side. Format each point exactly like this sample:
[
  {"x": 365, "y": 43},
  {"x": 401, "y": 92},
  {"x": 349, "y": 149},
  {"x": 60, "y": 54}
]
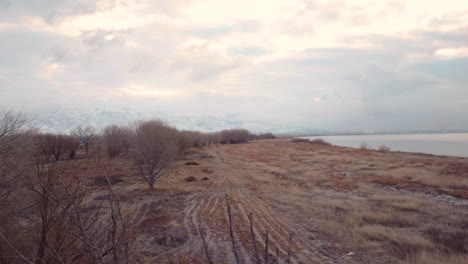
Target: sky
[{"x": 305, "y": 64}]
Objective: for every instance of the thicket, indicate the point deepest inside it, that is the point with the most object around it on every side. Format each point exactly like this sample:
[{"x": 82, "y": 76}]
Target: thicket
[{"x": 47, "y": 210}]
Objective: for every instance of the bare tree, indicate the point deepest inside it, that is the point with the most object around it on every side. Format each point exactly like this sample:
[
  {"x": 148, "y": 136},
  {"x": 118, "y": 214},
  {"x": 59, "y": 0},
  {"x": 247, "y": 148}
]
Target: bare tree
[
  {"x": 41, "y": 183},
  {"x": 100, "y": 226},
  {"x": 87, "y": 136},
  {"x": 72, "y": 144},
  {"x": 53, "y": 145},
  {"x": 155, "y": 148},
  {"x": 46, "y": 214},
  {"x": 11, "y": 124},
  {"x": 65, "y": 224},
  {"x": 14, "y": 142}
]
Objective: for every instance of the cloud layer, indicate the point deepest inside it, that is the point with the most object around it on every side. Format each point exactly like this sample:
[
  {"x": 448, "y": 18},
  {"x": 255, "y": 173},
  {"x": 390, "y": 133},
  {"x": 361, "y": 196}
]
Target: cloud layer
[{"x": 309, "y": 64}]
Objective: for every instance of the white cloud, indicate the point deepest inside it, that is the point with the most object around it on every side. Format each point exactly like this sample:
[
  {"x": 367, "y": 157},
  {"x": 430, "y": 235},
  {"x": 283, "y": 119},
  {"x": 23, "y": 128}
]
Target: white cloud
[
  {"x": 225, "y": 55},
  {"x": 138, "y": 90},
  {"x": 450, "y": 53}
]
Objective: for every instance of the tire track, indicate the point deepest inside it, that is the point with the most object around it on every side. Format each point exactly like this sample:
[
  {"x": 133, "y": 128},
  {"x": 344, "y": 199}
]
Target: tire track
[
  {"x": 207, "y": 207},
  {"x": 188, "y": 212}
]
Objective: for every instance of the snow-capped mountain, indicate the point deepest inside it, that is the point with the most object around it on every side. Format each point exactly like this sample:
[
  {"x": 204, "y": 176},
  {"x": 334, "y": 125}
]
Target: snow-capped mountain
[{"x": 66, "y": 118}]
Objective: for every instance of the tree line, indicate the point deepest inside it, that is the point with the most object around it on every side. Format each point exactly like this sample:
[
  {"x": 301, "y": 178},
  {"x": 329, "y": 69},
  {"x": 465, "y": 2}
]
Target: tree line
[{"x": 47, "y": 214}]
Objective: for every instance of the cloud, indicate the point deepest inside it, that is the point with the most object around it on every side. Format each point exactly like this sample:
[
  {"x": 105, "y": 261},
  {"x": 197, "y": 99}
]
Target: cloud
[
  {"x": 450, "y": 53},
  {"x": 301, "y": 63},
  {"x": 137, "y": 90}
]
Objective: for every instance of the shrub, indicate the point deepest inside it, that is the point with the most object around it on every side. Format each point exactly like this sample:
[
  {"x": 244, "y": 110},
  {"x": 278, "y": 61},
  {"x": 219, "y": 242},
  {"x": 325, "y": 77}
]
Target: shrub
[
  {"x": 320, "y": 141},
  {"x": 262, "y": 136},
  {"x": 384, "y": 148},
  {"x": 155, "y": 149},
  {"x": 234, "y": 136},
  {"x": 117, "y": 139},
  {"x": 300, "y": 140},
  {"x": 190, "y": 179},
  {"x": 184, "y": 141},
  {"x": 55, "y": 145},
  {"x": 317, "y": 141},
  {"x": 195, "y": 139},
  {"x": 72, "y": 146}
]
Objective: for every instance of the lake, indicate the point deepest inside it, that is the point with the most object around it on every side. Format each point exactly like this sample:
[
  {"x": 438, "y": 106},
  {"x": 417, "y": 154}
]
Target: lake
[{"x": 453, "y": 144}]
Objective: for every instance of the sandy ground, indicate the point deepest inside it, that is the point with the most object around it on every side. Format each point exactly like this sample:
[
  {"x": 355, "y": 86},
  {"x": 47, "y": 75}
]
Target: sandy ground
[{"x": 342, "y": 205}]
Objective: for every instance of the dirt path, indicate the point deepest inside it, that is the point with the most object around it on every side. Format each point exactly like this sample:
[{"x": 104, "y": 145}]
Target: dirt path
[{"x": 239, "y": 182}]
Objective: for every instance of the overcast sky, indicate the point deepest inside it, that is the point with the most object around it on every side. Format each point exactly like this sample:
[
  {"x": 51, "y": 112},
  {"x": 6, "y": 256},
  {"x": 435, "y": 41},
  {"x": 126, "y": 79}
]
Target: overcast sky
[{"x": 331, "y": 65}]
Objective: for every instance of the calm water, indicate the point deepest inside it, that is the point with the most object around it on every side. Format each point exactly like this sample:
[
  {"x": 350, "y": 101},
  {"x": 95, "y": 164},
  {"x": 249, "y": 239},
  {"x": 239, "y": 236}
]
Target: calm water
[{"x": 439, "y": 144}]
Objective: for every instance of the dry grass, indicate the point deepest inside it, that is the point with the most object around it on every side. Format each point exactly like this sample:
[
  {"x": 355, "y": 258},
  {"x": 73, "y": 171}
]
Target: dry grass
[
  {"x": 399, "y": 202},
  {"x": 384, "y": 208},
  {"x": 399, "y": 240},
  {"x": 428, "y": 257},
  {"x": 392, "y": 218}
]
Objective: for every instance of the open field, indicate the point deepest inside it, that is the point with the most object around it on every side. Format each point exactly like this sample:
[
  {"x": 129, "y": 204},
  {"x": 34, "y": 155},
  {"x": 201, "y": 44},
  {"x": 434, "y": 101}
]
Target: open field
[{"x": 343, "y": 205}]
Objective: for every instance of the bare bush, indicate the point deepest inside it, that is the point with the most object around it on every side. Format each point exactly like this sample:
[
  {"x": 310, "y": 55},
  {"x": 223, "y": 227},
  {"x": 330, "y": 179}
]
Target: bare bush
[
  {"x": 155, "y": 149},
  {"x": 46, "y": 215},
  {"x": 262, "y": 136},
  {"x": 190, "y": 179},
  {"x": 42, "y": 187},
  {"x": 87, "y": 136},
  {"x": 72, "y": 144},
  {"x": 55, "y": 221},
  {"x": 184, "y": 141},
  {"x": 317, "y": 141},
  {"x": 117, "y": 139},
  {"x": 320, "y": 141},
  {"x": 300, "y": 140},
  {"x": 234, "y": 136},
  {"x": 384, "y": 148},
  {"x": 53, "y": 145}
]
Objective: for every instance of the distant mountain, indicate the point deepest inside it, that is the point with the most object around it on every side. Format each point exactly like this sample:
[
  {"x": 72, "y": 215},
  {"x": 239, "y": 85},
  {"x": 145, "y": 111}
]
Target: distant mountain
[{"x": 66, "y": 118}]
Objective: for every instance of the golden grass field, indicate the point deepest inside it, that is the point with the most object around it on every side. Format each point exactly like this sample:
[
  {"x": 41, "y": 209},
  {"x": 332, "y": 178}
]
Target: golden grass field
[{"x": 343, "y": 205}]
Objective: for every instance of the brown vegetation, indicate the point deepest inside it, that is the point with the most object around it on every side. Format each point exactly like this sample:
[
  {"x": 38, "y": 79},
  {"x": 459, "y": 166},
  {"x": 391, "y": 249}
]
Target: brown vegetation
[
  {"x": 269, "y": 201},
  {"x": 384, "y": 148},
  {"x": 46, "y": 214},
  {"x": 234, "y": 136},
  {"x": 117, "y": 139},
  {"x": 317, "y": 141},
  {"x": 54, "y": 145},
  {"x": 262, "y": 136},
  {"x": 87, "y": 135},
  {"x": 155, "y": 148}
]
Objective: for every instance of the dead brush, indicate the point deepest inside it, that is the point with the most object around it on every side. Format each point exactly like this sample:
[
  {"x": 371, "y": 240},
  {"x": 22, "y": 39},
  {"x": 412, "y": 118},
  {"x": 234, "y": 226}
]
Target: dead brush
[
  {"x": 384, "y": 148},
  {"x": 317, "y": 141},
  {"x": 300, "y": 140}
]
